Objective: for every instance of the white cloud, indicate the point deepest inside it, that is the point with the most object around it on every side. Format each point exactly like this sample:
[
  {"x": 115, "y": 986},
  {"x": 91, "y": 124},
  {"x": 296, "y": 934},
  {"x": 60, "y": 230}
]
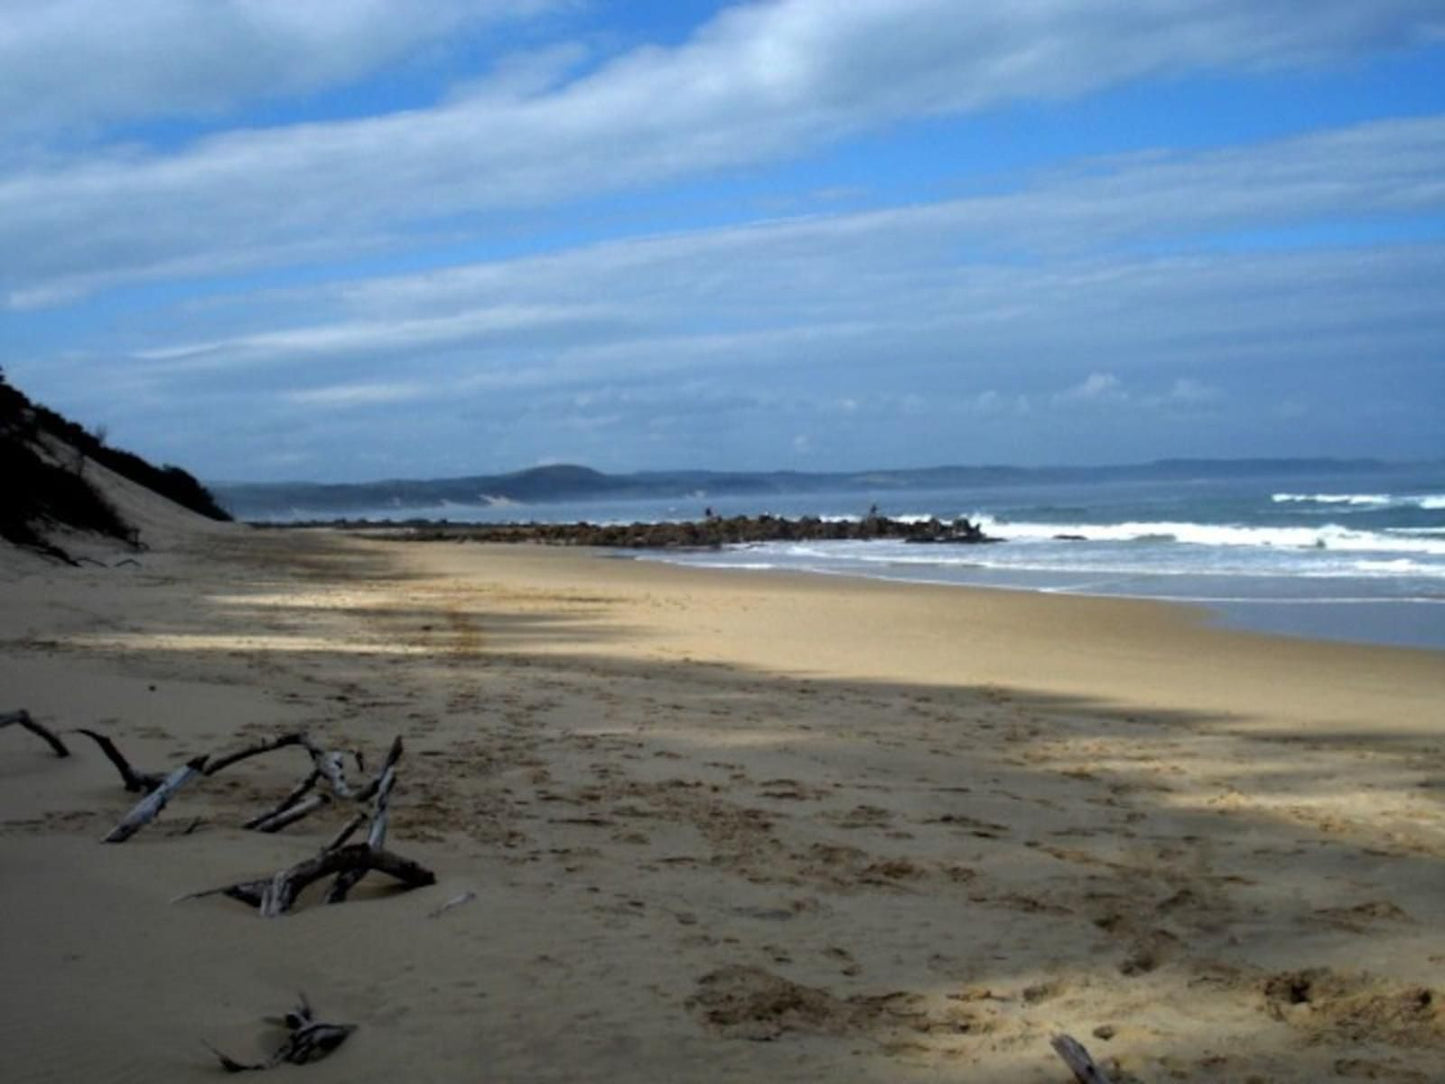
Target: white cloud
[
  {"x": 350, "y": 395},
  {"x": 355, "y": 339},
  {"x": 1190, "y": 391},
  {"x": 1112, "y": 265},
  {"x": 1095, "y": 388},
  {"x": 760, "y": 82},
  {"x": 72, "y": 64}
]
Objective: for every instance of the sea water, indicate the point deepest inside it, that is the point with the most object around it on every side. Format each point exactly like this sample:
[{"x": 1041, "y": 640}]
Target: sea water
[
  {"x": 1358, "y": 556},
  {"x": 1329, "y": 559}
]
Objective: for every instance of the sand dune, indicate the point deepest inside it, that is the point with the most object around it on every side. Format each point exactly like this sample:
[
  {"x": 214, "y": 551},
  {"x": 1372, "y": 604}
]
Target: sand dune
[{"x": 718, "y": 826}]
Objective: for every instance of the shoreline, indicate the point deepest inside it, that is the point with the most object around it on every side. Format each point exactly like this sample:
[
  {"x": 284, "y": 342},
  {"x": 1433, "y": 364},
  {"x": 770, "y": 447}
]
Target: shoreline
[
  {"x": 1324, "y": 619},
  {"x": 1292, "y": 611},
  {"x": 719, "y": 827},
  {"x": 1091, "y": 629}
]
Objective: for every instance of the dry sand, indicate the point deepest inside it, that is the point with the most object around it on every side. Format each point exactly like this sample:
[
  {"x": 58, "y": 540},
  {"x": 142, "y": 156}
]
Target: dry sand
[{"x": 720, "y": 826}]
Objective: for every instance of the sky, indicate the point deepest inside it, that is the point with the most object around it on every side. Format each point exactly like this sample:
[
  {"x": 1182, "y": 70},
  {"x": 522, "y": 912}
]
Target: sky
[{"x": 343, "y": 240}]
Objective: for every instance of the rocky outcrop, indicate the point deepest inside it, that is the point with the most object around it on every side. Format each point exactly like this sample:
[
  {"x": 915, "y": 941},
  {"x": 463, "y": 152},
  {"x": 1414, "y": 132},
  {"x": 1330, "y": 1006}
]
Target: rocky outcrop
[{"x": 694, "y": 534}]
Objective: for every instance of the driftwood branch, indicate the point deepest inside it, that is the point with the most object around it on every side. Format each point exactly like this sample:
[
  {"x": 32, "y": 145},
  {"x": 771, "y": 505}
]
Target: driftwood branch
[
  {"x": 145, "y": 782},
  {"x": 248, "y": 892},
  {"x": 276, "y": 895},
  {"x": 286, "y": 803},
  {"x": 308, "y": 1040},
  {"x": 291, "y": 814},
  {"x": 347, "y": 832},
  {"x": 136, "y": 782},
  {"x": 331, "y": 764},
  {"x": 289, "y": 883},
  {"x": 225, "y": 760},
  {"x": 376, "y": 835},
  {"x": 393, "y": 755},
  {"x": 22, "y": 718},
  {"x": 150, "y": 806},
  {"x": 1078, "y": 1060}
]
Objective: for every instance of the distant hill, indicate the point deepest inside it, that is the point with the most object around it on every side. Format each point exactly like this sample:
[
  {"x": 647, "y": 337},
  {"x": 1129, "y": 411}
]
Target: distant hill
[
  {"x": 541, "y": 485},
  {"x": 60, "y": 478}
]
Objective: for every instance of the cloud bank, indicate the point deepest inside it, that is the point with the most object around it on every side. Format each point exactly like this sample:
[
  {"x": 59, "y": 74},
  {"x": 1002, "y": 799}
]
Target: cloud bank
[{"x": 171, "y": 253}]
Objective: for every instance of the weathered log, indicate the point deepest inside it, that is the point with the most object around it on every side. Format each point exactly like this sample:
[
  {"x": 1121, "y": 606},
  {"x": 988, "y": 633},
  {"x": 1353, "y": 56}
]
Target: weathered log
[
  {"x": 266, "y": 746},
  {"x": 347, "y": 832},
  {"x": 22, "y": 718},
  {"x": 276, "y": 894},
  {"x": 150, "y": 806},
  {"x": 286, "y": 803},
  {"x": 375, "y": 836},
  {"x": 331, "y": 764},
  {"x": 281, "y": 893},
  {"x": 291, "y": 814},
  {"x": 1078, "y": 1060},
  {"x": 136, "y": 782},
  {"x": 308, "y": 1040},
  {"x": 393, "y": 755}
]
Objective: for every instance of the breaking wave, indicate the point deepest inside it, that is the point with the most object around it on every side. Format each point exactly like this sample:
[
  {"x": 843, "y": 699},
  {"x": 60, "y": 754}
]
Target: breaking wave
[
  {"x": 1329, "y": 536},
  {"x": 1428, "y": 501}
]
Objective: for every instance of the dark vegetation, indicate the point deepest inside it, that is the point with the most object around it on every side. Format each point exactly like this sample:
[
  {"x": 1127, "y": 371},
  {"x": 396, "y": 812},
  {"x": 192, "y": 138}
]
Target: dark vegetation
[{"x": 44, "y": 491}]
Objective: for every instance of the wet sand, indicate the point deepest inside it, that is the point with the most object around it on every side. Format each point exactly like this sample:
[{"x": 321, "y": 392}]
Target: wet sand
[{"x": 719, "y": 826}]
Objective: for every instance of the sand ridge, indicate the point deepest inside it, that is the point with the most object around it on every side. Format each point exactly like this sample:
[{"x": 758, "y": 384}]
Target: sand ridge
[{"x": 724, "y": 826}]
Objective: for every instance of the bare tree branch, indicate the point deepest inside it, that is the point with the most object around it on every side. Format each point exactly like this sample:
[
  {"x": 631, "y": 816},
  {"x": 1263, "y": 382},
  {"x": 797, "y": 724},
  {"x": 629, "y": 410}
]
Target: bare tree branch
[
  {"x": 309, "y": 1040},
  {"x": 256, "y": 749},
  {"x": 1078, "y": 1060},
  {"x": 150, "y": 806},
  {"x": 22, "y": 718},
  {"x": 137, "y": 782}
]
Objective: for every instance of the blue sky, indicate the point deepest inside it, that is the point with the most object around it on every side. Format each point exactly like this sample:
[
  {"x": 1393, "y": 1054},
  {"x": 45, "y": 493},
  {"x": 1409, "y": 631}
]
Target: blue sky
[{"x": 352, "y": 239}]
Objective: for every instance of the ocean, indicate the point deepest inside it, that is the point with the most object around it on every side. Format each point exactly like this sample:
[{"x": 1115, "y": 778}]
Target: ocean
[
  {"x": 1325, "y": 561},
  {"x": 1355, "y": 557}
]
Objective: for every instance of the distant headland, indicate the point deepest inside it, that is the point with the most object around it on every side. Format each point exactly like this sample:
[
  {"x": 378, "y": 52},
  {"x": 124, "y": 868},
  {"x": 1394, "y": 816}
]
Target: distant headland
[{"x": 552, "y": 484}]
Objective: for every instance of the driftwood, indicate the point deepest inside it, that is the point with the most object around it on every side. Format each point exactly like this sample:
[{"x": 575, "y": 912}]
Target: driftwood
[
  {"x": 286, "y": 803},
  {"x": 376, "y": 834},
  {"x": 291, "y": 814},
  {"x": 347, "y": 832},
  {"x": 283, "y": 889},
  {"x": 276, "y": 895},
  {"x": 145, "y": 782},
  {"x": 308, "y": 1040},
  {"x": 225, "y": 760},
  {"x": 328, "y": 765},
  {"x": 136, "y": 782},
  {"x": 331, "y": 764},
  {"x": 455, "y": 901},
  {"x": 150, "y": 806},
  {"x": 1078, "y": 1060},
  {"x": 392, "y": 756},
  {"x": 22, "y": 718},
  {"x": 248, "y": 892}
]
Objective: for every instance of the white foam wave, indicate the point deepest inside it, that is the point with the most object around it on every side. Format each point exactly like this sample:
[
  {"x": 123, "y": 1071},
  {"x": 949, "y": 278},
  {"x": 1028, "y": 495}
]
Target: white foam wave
[
  {"x": 1329, "y": 536},
  {"x": 1427, "y": 501}
]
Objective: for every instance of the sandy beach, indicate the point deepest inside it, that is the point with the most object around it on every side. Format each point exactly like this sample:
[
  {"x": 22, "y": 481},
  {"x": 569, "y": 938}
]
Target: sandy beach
[{"x": 717, "y": 825}]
